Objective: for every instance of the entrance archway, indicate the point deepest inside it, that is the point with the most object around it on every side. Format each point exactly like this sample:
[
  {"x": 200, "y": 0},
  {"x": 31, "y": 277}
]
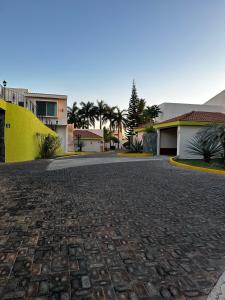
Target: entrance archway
[{"x": 168, "y": 141}]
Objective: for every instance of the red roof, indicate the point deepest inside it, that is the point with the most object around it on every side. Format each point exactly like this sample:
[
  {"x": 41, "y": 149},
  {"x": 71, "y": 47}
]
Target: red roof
[
  {"x": 86, "y": 134},
  {"x": 199, "y": 116}
]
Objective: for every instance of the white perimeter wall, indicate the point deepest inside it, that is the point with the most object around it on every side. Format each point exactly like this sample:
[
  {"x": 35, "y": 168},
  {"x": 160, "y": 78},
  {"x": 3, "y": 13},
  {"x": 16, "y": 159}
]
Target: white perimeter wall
[
  {"x": 62, "y": 132},
  {"x": 217, "y": 100},
  {"x": 185, "y": 133},
  {"x": 92, "y": 145},
  {"x": 171, "y": 110}
]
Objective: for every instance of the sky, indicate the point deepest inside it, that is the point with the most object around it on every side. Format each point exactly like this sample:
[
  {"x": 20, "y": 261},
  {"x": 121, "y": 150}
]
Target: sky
[{"x": 93, "y": 49}]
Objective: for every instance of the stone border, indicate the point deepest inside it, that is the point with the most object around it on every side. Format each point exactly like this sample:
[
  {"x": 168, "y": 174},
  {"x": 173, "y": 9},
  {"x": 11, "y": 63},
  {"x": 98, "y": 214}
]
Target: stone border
[
  {"x": 218, "y": 292},
  {"x": 202, "y": 169}
]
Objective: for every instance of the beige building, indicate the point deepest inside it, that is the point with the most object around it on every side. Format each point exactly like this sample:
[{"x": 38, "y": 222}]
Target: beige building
[{"x": 51, "y": 109}]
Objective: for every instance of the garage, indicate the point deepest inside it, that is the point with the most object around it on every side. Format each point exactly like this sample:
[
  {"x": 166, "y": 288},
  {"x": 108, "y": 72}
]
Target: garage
[{"x": 168, "y": 141}]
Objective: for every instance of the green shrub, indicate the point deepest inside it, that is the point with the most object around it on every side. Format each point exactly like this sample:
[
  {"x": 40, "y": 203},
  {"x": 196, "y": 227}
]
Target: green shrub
[
  {"x": 48, "y": 145},
  {"x": 149, "y": 129},
  {"x": 136, "y": 147}
]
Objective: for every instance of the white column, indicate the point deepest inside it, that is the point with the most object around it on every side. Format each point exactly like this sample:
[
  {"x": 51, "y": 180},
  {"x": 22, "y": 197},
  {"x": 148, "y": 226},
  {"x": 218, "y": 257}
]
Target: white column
[
  {"x": 158, "y": 141},
  {"x": 178, "y": 140}
]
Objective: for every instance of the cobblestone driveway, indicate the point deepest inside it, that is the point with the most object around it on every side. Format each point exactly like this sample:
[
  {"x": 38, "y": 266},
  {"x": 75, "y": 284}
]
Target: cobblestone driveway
[{"x": 141, "y": 230}]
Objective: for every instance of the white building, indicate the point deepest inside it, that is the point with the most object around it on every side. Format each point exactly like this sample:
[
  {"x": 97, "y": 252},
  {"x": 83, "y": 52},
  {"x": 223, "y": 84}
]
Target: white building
[
  {"x": 90, "y": 139},
  {"x": 179, "y": 122}
]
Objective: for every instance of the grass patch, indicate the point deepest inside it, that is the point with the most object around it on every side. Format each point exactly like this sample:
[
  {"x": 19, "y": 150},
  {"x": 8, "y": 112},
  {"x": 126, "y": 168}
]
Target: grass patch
[{"x": 216, "y": 164}]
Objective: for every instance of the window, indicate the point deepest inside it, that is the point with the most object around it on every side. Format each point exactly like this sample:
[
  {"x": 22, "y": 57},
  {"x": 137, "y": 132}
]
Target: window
[{"x": 45, "y": 108}]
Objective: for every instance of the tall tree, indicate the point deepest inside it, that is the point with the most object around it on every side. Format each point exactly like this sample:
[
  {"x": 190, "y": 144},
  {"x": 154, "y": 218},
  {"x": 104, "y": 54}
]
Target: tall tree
[
  {"x": 140, "y": 110},
  {"x": 150, "y": 113},
  {"x": 101, "y": 109},
  {"x": 132, "y": 120},
  {"x": 88, "y": 113},
  {"x": 110, "y": 116},
  {"x": 120, "y": 122},
  {"x": 73, "y": 114}
]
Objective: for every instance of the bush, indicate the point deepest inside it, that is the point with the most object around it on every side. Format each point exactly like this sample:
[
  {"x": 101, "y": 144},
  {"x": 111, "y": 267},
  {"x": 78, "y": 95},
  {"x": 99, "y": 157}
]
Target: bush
[
  {"x": 149, "y": 129},
  {"x": 136, "y": 147},
  {"x": 48, "y": 145},
  {"x": 200, "y": 144}
]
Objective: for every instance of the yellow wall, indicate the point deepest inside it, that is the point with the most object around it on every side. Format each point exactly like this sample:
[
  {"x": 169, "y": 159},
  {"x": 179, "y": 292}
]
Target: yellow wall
[{"x": 21, "y": 142}]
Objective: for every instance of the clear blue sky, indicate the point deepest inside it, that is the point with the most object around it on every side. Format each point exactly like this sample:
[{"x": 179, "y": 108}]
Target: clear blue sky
[{"x": 92, "y": 49}]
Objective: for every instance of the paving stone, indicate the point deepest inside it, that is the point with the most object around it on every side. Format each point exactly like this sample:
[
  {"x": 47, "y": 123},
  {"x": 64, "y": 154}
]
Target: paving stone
[{"x": 147, "y": 231}]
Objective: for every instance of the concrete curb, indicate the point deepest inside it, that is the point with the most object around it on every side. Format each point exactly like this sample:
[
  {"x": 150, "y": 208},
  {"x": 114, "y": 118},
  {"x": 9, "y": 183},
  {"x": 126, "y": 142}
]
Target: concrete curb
[
  {"x": 182, "y": 165},
  {"x": 218, "y": 292},
  {"x": 135, "y": 154}
]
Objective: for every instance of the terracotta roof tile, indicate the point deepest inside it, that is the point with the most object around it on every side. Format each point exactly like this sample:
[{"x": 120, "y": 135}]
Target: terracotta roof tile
[
  {"x": 86, "y": 134},
  {"x": 199, "y": 116}
]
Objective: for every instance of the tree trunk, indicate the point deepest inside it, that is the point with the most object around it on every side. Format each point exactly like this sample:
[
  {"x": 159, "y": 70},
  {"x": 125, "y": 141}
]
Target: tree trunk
[
  {"x": 100, "y": 119},
  {"x": 110, "y": 128},
  {"x": 118, "y": 137}
]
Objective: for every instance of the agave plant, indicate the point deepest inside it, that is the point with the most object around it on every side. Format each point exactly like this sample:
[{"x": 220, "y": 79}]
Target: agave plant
[
  {"x": 216, "y": 133},
  {"x": 202, "y": 145},
  {"x": 48, "y": 145},
  {"x": 136, "y": 147}
]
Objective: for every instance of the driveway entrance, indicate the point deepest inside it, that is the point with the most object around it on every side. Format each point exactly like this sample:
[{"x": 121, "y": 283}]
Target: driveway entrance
[{"x": 168, "y": 141}]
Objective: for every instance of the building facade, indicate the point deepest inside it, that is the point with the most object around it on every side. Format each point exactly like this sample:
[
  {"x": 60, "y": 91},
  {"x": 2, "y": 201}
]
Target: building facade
[
  {"x": 89, "y": 140},
  {"x": 51, "y": 109}
]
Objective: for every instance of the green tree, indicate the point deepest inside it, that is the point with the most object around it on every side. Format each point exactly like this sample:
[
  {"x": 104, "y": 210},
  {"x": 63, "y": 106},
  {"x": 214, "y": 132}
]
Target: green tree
[
  {"x": 140, "y": 110},
  {"x": 73, "y": 115},
  {"x": 100, "y": 111},
  {"x": 110, "y": 116},
  {"x": 132, "y": 116},
  {"x": 120, "y": 122},
  {"x": 88, "y": 113},
  {"x": 150, "y": 113}
]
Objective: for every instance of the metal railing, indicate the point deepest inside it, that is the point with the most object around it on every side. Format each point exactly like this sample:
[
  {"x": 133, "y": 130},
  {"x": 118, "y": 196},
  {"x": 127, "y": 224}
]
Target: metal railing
[{"x": 19, "y": 98}]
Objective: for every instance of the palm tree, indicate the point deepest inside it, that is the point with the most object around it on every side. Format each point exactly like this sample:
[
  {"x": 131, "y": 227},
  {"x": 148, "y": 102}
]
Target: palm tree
[
  {"x": 109, "y": 116},
  {"x": 73, "y": 115},
  {"x": 150, "y": 113},
  {"x": 88, "y": 113},
  {"x": 120, "y": 121},
  {"x": 101, "y": 109}
]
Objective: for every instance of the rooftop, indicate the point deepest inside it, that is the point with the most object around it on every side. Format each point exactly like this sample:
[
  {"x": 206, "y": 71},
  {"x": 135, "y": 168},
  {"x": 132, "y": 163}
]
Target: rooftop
[
  {"x": 199, "y": 116},
  {"x": 86, "y": 134},
  {"x": 49, "y": 96}
]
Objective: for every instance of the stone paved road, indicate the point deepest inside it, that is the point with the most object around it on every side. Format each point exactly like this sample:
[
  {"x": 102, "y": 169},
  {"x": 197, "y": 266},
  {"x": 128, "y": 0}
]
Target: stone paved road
[{"x": 137, "y": 230}]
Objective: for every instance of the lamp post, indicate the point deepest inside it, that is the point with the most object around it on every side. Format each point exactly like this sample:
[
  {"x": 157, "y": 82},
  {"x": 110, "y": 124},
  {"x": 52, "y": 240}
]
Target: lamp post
[
  {"x": 78, "y": 142},
  {"x": 4, "y": 86}
]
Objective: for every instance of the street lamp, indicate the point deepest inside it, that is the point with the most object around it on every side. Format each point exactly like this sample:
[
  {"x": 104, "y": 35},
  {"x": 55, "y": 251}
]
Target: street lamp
[
  {"x": 4, "y": 86},
  {"x": 78, "y": 142}
]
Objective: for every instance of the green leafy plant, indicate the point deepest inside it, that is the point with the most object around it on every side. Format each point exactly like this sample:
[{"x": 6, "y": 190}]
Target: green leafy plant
[
  {"x": 48, "y": 145},
  {"x": 149, "y": 129},
  {"x": 136, "y": 147},
  {"x": 200, "y": 144},
  {"x": 216, "y": 133}
]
